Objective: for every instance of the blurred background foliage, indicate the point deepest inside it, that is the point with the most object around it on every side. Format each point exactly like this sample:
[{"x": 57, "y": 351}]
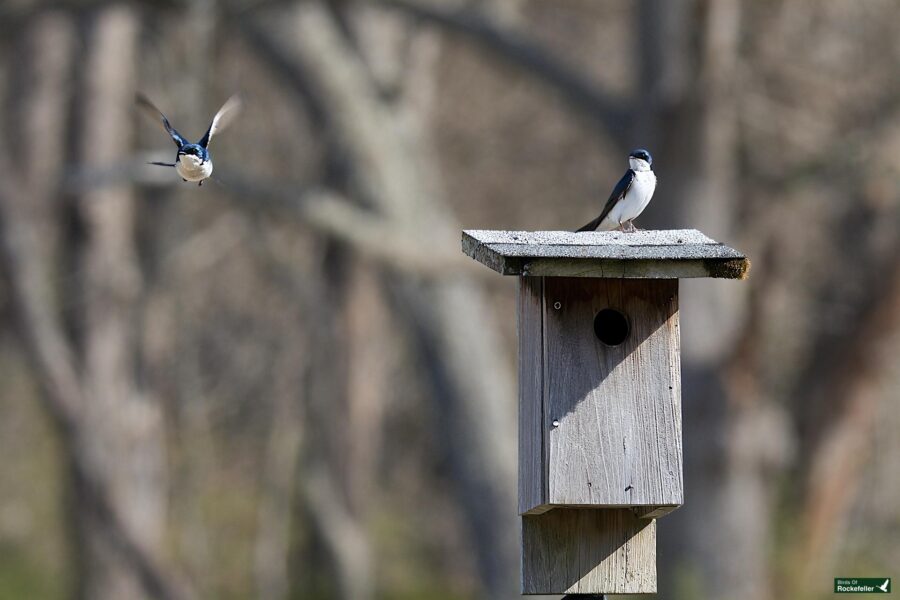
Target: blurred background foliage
[{"x": 288, "y": 384}]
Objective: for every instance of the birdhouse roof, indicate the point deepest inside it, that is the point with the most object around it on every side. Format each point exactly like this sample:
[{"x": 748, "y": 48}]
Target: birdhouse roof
[{"x": 666, "y": 254}]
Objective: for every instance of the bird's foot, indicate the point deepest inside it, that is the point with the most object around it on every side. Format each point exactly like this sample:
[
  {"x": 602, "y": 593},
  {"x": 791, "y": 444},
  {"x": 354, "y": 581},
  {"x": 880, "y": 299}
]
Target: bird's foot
[
  {"x": 184, "y": 180},
  {"x": 631, "y": 228},
  {"x": 199, "y": 184}
]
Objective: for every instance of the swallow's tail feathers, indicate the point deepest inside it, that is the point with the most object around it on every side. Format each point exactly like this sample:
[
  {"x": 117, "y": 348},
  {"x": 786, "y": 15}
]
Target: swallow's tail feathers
[
  {"x": 592, "y": 226},
  {"x": 222, "y": 119},
  {"x": 156, "y": 115},
  {"x": 161, "y": 164},
  {"x": 617, "y": 195}
]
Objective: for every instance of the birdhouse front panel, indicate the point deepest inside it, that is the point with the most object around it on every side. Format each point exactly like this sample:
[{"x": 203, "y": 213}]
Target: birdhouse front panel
[{"x": 601, "y": 415}]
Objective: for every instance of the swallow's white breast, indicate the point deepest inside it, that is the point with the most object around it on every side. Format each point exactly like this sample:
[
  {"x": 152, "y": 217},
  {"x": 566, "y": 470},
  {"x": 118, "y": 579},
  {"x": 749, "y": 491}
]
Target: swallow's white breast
[
  {"x": 191, "y": 168},
  {"x": 634, "y": 202}
]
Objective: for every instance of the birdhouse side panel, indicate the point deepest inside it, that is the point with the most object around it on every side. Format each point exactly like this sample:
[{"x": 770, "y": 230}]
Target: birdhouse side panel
[
  {"x": 532, "y": 477},
  {"x": 612, "y": 411}
]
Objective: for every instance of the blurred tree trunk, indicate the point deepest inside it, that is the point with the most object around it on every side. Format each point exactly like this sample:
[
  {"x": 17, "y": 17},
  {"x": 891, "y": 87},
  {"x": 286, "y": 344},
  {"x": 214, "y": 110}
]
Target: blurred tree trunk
[
  {"x": 29, "y": 232},
  {"x": 457, "y": 340},
  {"x": 369, "y": 350},
  {"x": 39, "y": 103},
  {"x": 729, "y": 431},
  {"x": 327, "y": 470},
  {"x": 123, "y": 427},
  {"x": 279, "y": 478},
  {"x": 850, "y": 388}
]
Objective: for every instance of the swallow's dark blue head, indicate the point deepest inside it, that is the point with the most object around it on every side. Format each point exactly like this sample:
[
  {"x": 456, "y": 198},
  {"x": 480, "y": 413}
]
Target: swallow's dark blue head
[
  {"x": 641, "y": 154},
  {"x": 194, "y": 150}
]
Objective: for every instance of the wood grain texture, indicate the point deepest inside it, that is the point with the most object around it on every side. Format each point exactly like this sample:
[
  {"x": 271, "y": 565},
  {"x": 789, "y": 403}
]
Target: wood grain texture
[
  {"x": 610, "y": 433},
  {"x": 618, "y": 439},
  {"x": 532, "y": 477},
  {"x": 588, "y": 551}
]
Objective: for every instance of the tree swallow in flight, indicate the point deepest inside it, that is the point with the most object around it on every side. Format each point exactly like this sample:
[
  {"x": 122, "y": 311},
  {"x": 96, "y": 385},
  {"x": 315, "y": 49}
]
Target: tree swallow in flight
[
  {"x": 630, "y": 196},
  {"x": 193, "y": 161}
]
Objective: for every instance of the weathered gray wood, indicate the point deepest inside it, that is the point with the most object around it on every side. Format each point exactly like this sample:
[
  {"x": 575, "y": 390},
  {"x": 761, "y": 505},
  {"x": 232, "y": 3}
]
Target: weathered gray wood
[
  {"x": 588, "y": 551},
  {"x": 630, "y": 269},
  {"x": 669, "y": 254},
  {"x": 600, "y": 453},
  {"x": 618, "y": 439},
  {"x": 652, "y": 512},
  {"x": 610, "y": 417},
  {"x": 532, "y": 478}
]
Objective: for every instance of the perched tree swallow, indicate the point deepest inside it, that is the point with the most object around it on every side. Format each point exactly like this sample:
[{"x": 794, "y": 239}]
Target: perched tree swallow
[
  {"x": 630, "y": 196},
  {"x": 193, "y": 161}
]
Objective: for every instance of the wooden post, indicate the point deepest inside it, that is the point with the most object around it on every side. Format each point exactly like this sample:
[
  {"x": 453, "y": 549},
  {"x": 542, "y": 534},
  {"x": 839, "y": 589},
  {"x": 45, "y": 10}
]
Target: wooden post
[{"x": 599, "y": 396}]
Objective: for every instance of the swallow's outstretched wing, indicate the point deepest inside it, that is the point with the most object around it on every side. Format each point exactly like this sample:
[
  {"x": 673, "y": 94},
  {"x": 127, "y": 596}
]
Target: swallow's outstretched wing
[
  {"x": 617, "y": 194},
  {"x": 154, "y": 112},
  {"x": 161, "y": 164},
  {"x": 222, "y": 119}
]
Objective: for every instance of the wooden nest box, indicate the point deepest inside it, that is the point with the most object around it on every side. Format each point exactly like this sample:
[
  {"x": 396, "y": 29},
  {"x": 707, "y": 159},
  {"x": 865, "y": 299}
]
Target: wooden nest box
[{"x": 599, "y": 396}]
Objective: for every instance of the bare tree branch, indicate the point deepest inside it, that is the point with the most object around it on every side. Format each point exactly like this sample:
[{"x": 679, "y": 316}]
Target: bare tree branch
[
  {"x": 611, "y": 116},
  {"x": 325, "y": 211},
  {"x": 368, "y": 232}
]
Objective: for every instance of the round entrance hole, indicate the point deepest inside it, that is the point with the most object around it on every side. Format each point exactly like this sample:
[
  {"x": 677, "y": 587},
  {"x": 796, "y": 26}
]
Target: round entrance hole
[{"x": 611, "y": 327}]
